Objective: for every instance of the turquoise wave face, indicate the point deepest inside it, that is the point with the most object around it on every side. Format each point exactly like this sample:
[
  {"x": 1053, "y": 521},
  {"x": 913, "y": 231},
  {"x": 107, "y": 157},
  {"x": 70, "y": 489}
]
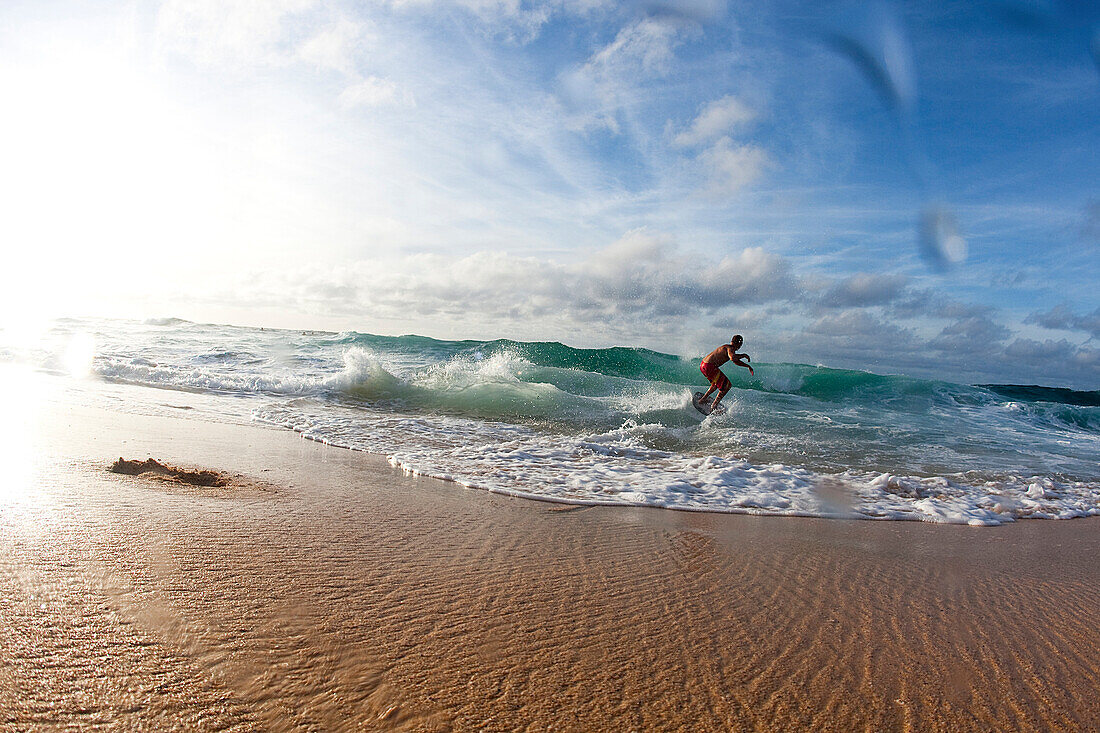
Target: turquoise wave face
[
  {"x": 588, "y": 371},
  {"x": 628, "y": 363},
  {"x": 819, "y": 417}
]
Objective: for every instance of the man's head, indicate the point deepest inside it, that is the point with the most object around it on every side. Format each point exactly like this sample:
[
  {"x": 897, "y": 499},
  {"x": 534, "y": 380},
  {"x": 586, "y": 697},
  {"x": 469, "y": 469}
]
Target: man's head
[{"x": 736, "y": 341}]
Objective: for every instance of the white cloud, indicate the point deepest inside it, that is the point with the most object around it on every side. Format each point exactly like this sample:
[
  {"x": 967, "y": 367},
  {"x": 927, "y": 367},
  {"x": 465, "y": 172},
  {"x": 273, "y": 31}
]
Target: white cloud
[
  {"x": 717, "y": 119},
  {"x": 973, "y": 336},
  {"x": 725, "y": 165},
  {"x": 634, "y": 249},
  {"x": 1054, "y": 360},
  {"x": 510, "y": 19},
  {"x": 241, "y": 36},
  {"x": 639, "y": 283},
  {"x": 752, "y": 276},
  {"x": 692, "y": 10},
  {"x": 1062, "y": 318},
  {"x": 729, "y": 167},
  {"x": 645, "y": 46},
  {"x": 864, "y": 289},
  {"x": 335, "y": 46},
  {"x": 373, "y": 92},
  {"x": 853, "y": 324},
  {"x": 230, "y": 33},
  {"x": 854, "y": 337},
  {"x": 610, "y": 79}
]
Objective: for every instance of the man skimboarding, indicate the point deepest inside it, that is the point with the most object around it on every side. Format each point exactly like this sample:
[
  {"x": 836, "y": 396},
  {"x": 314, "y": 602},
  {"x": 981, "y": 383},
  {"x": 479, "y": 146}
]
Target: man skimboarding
[{"x": 718, "y": 380}]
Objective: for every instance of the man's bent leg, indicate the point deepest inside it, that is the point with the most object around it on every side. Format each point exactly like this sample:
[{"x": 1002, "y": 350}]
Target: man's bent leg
[{"x": 726, "y": 385}]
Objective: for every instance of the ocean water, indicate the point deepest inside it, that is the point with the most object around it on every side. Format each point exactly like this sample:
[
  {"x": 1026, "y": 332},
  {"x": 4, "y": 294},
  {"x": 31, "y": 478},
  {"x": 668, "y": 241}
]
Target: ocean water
[{"x": 615, "y": 426}]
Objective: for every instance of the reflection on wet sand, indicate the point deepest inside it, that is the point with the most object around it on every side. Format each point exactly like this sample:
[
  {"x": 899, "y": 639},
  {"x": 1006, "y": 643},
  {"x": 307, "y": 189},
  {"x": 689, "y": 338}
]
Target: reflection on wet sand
[{"x": 352, "y": 596}]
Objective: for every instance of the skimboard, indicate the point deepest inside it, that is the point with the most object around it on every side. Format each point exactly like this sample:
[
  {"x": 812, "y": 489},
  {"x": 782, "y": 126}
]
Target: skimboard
[{"x": 704, "y": 407}]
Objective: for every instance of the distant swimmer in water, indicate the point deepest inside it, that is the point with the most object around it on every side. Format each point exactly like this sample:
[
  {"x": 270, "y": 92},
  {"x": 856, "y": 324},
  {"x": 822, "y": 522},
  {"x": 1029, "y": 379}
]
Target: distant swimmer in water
[{"x": 718, "y": 357}]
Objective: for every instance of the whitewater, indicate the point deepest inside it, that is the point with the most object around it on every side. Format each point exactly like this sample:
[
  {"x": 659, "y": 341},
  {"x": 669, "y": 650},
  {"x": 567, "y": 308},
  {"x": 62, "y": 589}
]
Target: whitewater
[{"x": 615, "y": 426}]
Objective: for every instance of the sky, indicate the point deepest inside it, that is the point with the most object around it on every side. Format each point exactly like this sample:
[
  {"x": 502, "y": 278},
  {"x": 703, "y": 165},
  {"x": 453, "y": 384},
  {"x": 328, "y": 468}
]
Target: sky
[{"x": 900, "y": 187}]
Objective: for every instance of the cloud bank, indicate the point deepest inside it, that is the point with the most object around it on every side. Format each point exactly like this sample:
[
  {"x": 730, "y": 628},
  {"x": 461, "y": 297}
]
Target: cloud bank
[{"x": 644, "y": 290}]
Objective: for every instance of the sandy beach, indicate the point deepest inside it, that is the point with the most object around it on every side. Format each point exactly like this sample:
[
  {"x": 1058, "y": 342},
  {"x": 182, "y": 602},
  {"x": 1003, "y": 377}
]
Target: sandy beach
[{"x": 325, "y": 590}]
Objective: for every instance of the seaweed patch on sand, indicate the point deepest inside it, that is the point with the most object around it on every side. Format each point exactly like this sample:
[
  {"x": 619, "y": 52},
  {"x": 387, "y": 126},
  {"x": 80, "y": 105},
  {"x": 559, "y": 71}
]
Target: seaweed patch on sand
[{"x": 156, "y": 469}]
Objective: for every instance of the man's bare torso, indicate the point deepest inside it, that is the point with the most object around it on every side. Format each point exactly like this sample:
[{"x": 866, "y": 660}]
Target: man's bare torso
[{"x": 719, "y": 356}]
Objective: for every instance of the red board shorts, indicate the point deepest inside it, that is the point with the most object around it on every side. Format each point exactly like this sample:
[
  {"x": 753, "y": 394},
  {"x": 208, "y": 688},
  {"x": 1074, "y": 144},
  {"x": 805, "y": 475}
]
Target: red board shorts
[{"x": 712, "y": 372}]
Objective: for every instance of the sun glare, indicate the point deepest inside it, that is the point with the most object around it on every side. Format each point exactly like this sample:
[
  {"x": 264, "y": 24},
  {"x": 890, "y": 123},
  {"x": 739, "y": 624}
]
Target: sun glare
[
  {"x": 79, "y": 354},
  {"x": 102, "y": 167},
  {"x": 22, "y": 392}
]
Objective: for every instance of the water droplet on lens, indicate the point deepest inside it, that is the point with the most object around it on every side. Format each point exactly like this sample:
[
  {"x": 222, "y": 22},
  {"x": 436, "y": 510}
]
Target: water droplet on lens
[
  {"x": 940, "y": 241},
  {"x": 874, "y": 41}
]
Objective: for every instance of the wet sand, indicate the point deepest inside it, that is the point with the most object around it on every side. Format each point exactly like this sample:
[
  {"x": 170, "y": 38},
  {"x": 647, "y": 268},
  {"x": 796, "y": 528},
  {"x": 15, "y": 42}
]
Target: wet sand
[{"x": 324, "y": 590}]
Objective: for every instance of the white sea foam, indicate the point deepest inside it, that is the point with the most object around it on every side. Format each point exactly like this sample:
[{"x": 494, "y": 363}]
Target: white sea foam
[
  {"x": 361, "y": 370},
  {"x": 141, "y": 371},
  {"x": 463, "y": 372},
  {"x": 617, "y": 467}
]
